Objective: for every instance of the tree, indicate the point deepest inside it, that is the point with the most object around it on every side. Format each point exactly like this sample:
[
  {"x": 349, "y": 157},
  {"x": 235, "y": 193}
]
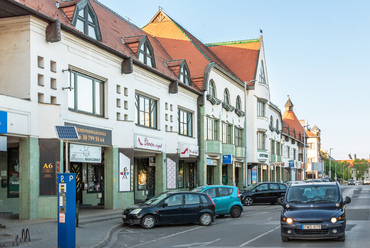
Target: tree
[{"x": 360, "y": 166}]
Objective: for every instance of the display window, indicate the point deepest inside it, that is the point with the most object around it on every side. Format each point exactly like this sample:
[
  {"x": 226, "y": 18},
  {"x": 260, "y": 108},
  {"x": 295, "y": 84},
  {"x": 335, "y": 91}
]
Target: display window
[
  {"x": 13, "y": 173},
  {"x": 142, "y": 176},
  {"x": 95, "y": 178}
]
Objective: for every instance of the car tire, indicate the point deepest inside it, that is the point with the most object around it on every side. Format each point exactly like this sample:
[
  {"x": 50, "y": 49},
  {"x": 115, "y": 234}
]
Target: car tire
[
  {"x": 248, "y": 201},
  {"x": 205, "y": 219},
  {"x": 235, "y": 212},
  {"x": 284, "y": 239},
  {"x": 280, "y": 200},
  {"x": 148, "y": 222}
]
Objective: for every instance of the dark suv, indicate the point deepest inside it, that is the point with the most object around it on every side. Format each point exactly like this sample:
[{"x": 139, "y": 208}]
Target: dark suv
[{"x": 267, "y": 192}]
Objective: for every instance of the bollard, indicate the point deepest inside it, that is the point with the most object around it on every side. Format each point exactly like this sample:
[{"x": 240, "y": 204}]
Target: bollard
[{"x": 16, "y": 240}]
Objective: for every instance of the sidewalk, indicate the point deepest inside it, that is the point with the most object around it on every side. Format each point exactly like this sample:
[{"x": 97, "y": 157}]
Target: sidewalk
[{"x": 95, "y": 229}]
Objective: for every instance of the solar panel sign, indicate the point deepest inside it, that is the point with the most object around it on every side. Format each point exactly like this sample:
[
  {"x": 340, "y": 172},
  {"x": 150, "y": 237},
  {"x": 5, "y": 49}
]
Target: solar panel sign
[{"x": 67, "y": 132}]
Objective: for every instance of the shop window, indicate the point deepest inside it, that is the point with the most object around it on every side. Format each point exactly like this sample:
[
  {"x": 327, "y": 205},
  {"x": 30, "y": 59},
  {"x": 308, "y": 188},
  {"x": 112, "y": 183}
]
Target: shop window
[
  {"x": 95, "y": 178},
  {"x": 185, "y": 123},
  {"x": 142, "y": 176},
  {"x": 87, "y": 94},
  {"x": 181, "y": 175},
  {"x": 13, "y": 173}
]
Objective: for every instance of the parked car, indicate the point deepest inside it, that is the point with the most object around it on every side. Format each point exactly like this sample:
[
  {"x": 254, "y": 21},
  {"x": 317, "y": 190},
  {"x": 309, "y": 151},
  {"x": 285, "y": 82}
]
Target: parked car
[
  {"x": 351, "y": 182},
  {"x": 366, "y": 181},
  {"x": 357, "y": 183},
  {"x": 226, "y": 199},
  {"x": 267, "y": 192},
  {"x": 172, "y": 208},
  {"x": 314, "y": 211}
]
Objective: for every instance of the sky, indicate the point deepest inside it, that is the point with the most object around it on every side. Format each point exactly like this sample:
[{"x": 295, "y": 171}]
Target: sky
[{"x": 315, "y": 52}]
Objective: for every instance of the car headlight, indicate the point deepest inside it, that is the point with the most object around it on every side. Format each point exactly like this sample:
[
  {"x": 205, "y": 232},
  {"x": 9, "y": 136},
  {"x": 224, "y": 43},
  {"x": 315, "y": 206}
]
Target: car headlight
[
  {"x": 136, "y": 211},
  {"x": 333, "y": 220},
  {"x": 289, "y": 221}
]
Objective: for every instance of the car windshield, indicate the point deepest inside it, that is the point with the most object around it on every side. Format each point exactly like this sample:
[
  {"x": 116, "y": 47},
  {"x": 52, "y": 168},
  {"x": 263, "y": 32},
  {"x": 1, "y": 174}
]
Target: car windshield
[
  {"x": 313, "y": 194},
  {"x": 197, "y": 190},
  {"x": 156, "y": 199}
]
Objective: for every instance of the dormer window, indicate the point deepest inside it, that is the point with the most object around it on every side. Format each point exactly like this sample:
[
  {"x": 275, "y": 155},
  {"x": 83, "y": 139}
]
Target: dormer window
[
  {"x": 85, "y": 20},
  {"x": 145, "y": 52},
  {"x": 184, "y": 74}
]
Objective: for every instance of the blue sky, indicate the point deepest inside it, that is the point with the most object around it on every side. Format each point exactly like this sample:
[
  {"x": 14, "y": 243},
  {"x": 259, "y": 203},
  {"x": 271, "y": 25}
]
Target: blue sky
[{"x": 315, "y": 53}]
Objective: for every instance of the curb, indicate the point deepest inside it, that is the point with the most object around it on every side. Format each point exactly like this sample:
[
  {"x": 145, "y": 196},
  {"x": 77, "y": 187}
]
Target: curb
[{"x": 107, "y": 237}]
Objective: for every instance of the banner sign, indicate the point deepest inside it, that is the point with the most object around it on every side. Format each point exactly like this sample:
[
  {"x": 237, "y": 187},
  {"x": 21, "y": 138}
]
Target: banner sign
[
  {"x": 3, "y": 122},
  {"x": 92, "y": 135},
  {"x": 48, "y": 167},
  {"x": 188, "y": 150},
  {"x": 171, "y": 174},
  {"x": 149, "y": 143},
  {"x": 126, "y": 179},
  {"x": 85, "y": 154}
]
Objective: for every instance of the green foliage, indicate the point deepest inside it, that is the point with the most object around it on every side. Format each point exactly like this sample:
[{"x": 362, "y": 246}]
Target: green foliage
[{"x": 360, "y": 166}]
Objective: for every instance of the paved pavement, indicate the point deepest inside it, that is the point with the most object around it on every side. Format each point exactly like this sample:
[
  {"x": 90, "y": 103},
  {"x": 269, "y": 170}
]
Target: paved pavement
[{"x": 95, "y": 229}]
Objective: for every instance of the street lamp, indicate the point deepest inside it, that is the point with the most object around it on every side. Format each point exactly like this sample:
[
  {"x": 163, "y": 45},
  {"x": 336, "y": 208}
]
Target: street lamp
[
  {"x": 245, "y": 130},
  {"x": 330, "y": 164},
  {"x": 304, "y": 151}
]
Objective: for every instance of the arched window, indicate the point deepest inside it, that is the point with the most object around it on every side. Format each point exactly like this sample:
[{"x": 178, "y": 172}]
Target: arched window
[
  {"x": 238, "y": 104},
  {"x": 271, "y": 121},
  {"x": 211, "y": 88},
  {"x": 226, "y": 97},
  {"x": 184, "y": 74},
  {"x": 85, "y": 20},
  {"x": 277, "y": 124},
  {"x": 145, "y": 52}
]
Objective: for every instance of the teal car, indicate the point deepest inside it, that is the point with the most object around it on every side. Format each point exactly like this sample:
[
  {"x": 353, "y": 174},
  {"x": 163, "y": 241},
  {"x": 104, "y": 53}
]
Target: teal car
[{"x": 226, "y": 199}]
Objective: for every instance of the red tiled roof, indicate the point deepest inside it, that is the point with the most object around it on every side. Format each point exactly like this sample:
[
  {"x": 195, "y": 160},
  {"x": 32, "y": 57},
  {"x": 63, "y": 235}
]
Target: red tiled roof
[
  {"x": 291, "y": 119},
  {"x": 239, "y": 56}
]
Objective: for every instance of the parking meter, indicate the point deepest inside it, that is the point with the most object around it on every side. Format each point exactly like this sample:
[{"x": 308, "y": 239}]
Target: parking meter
[{"x": 66, "y": 210}]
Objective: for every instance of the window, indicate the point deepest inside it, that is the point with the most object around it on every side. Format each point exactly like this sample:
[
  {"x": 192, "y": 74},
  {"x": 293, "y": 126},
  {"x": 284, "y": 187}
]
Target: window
[
  {"x": 185, "y": 123},
  {"x": 260, "y": 108},
  {"x": 274, "y": 186},
  {"x": 272, "y": 146},
  {"x": 86, "y": 20},
  {"x": 238, "y": 103},
  {"x": 13, "y": 173},
  {"x": 192, "y": 199},
  {"x": 271, "y": 121},
  {"x": 288, "y": 151},
  {"x": 174, "y": 200},
  {"x": 184, "y": 74},
  {"x": 145, "y": 52},
  {"x": 212, "y": 129},
  {"x": 224, "y": 191},
  {"x": 146, "y": 111},
  {"x": 277, "y": 125},
  {"x": 211, "y": 88},
  {"x": 87, "y": 94},
  {"x": 238, "y": 137},
  {"x": 226, "y": 96},
  {"x": 261, "y": 136},
  {"x": 211, "y": 192},
  {"x": 262, "y": 187},
  {"x": 294, "y": 153},
  {"x": 278, "y": 149},
  {"x": 262, "y": 74},
  {"x": 226, "y": 133}
]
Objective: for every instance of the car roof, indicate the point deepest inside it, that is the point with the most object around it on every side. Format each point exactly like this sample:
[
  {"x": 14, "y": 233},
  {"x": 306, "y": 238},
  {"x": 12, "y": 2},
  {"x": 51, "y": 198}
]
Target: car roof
[
  {"x": 216, "y": 186},
  {"x": 314, "y": 183}
]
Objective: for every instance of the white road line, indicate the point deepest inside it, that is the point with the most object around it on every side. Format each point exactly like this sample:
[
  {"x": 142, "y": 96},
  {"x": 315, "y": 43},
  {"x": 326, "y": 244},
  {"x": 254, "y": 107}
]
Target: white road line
[
  {"x": 169, "y": 236},
  {"x": 263, "y": 234}
]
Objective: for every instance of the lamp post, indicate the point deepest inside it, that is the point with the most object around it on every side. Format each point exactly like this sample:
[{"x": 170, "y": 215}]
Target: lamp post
[
  {"x": 330, "y": 164},
  {"x": 304, "y": 151},
  {"x": 245, "y": 130}
]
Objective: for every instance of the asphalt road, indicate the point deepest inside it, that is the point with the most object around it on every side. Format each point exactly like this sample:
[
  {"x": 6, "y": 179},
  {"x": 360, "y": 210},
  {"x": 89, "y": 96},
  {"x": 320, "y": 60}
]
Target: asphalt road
[{"x": 257, "y": 227}]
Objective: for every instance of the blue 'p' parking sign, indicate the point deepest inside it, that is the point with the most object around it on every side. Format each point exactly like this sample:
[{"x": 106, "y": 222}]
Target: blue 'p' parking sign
[
  {"x": 226, "y": 159},
  {"x": 3, "y": 122}
]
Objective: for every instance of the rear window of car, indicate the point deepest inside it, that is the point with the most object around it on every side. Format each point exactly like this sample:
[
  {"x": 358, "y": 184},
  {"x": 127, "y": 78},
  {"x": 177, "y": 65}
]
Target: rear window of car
[
  {"x": 211, "y": 192},
  {"x": 282, "y": 186},
  {"x": 225, "y": 191}
]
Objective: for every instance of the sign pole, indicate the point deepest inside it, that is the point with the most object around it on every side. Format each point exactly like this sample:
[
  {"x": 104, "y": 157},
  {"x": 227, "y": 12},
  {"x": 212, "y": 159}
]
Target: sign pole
[{"x": 67, "y": 166}]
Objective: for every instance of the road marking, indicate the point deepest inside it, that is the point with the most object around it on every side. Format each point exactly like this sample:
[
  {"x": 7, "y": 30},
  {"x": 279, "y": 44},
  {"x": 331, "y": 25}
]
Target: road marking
[
  {"x": 169, "y": 236},
  {"x": 263, "y": 234},
  {"x": 198, "y": 244}
]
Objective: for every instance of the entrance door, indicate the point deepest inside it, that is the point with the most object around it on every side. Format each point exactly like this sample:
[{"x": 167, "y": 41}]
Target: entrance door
[
  {"x": 191, "y": 176},
  {"x": 77, "y": 168},
  {"x": 151, "y": 181}
]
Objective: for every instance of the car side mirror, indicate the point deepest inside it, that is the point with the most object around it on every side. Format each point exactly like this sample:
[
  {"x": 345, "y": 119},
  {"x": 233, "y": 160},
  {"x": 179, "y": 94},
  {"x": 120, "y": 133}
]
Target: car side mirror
[
  {"x": 347, "y": 200},
  {"x": 165, "y": 204}
]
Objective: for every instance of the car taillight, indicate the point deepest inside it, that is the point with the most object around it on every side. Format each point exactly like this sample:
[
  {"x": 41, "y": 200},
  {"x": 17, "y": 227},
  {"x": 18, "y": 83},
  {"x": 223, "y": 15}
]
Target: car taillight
[
  {"x": 212, "y": 201},
  {"x": 238, "y": 194}
]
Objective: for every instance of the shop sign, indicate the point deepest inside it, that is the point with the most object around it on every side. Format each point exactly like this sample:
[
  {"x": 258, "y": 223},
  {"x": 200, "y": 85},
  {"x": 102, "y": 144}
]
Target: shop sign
[
  {"x": 277, "y": 164},
  {"x": 85, "y": 154},
  {"x": 212, "y": 162},
  {"x": 238, "y": 164},
  {"x": 264, "y": 167},
  {"x": 126, "y": 179},
  {"x": 262, "y": 156},
  {"x": 48, "y": 168},
  {"x": 291, "y": 163},
  {"x": 254, "y": 174},
  {"x": 92, "y": 135},
  {"x": 226, "y": 159},
  {"x": 188, "y": 150},
  {"x": 3, "y": 122},
  {"x": 145, "y": 142}
]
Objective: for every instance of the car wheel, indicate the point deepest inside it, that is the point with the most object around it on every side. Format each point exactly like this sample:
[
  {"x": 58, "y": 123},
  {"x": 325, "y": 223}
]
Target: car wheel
[
  {"x": 205, "y": 219},
  {"x": 148, "y": 222},
  {"x": 284, "y": 239},
  {"x": 248, "y": 201},
  {"x": 280, "y": 200},
  {"x": 235, "y": 212}
]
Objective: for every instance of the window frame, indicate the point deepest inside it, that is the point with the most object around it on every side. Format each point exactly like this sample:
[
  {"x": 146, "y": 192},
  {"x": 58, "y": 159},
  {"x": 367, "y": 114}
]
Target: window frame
[
  {"x": 261, "y": 108},
  {"x": 185, "y": 124},
  {"x": 88, "y": 11},
  {"x": 226, "y": 133},
  {"x": 212, "y": 129},
  {"x": 238, "y": 103},
  {"x": 153, "y": 111},
  {"x": 184, "y": 74},
  {"x": 211, "y": 88},
  {"x": 146, "y": 50},
  {"x": 238, "y": 140},
  {"x": 226, "y": 96},
  {"x": 75, "y": 94},
  {"x": 261, "y": 141}
]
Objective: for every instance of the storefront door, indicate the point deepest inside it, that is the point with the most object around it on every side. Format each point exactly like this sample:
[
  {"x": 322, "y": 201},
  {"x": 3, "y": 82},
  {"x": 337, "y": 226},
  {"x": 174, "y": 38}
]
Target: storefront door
[{"x": 151, "y": 181}]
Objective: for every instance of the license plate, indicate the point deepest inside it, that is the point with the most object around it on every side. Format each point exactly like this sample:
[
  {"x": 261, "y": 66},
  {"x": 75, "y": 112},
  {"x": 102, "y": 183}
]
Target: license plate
[
  {"x": 311, "y": 227},
  {"x": 124, "y": 216}
]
